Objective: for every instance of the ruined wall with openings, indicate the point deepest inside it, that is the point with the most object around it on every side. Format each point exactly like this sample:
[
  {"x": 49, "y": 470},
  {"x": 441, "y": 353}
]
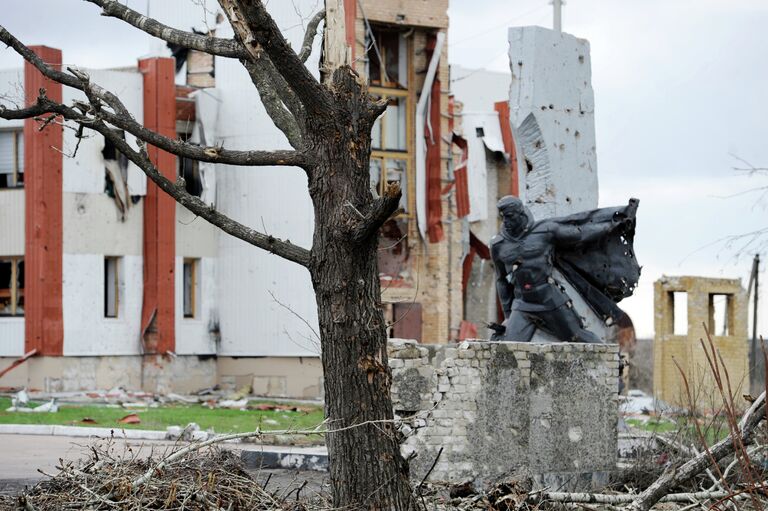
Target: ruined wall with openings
[
  {"x": 424, "y": 300},
  {"x": 683, "y": 307},
  {"x": 497, "y": 408}
]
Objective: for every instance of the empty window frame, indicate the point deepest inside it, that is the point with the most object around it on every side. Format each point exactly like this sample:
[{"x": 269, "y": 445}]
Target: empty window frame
[
  {"x": 388, "y": 51},
  {"x": 190, "y": 287},
  {"x": 11, "y": 159},
  {"x": 678, "y": 312},
  {"x": 720, "y": 314},
  {"x": 189, "y": 169},
  {"x": 111, "y": 286},
  {"x": 11, "y": 286},
  {"x": 386, "y": 169}
]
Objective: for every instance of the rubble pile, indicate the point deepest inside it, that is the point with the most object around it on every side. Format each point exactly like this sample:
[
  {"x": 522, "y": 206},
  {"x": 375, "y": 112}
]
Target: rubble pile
[{"x": 193, "y": 479}]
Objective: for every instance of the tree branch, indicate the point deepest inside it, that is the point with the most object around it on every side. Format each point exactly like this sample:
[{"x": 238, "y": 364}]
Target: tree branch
[
  {"x": 122, "y": 118},
  {"x": 212, "y": 45},
  {"x": 258, "y": 33},
  {"x": 284, "y": 249},
  {"x": 380, "y": 211},
  {"x": 273, "y": 103},
  {"x": 309, "y": 36}
]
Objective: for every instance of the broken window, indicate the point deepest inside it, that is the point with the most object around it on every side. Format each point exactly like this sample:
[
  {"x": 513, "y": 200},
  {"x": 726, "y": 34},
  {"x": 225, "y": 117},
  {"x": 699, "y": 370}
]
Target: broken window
[
  {"x": 387, "y": 57},
  {"x": 189, "y": 170},
  {"x": 190, "y": 279},
  {"x": 116, "y": 175},
  {"x": 393, "y": 253},
  {"x": 111, "y": 286},
  {"x": 11, "y": 286},
  {"x": 679, "y": 312},
  {"x": 394, "y": 171},
  {"x": 11, "y": 159},
  {"x": 720, "y": 314}
]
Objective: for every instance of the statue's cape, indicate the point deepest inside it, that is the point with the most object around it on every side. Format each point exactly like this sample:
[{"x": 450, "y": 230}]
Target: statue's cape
[{"x": 606, "y": 271}]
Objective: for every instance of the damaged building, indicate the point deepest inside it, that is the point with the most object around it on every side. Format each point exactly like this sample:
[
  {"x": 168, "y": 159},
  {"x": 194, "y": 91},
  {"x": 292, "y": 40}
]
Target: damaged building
[{"x": 105, "y": 280}]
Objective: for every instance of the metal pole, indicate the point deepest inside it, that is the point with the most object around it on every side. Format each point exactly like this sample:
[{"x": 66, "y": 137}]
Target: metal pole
[
  {"x": 757, "y": 376},
  {"x": 756, "y": 266},
  {"x": 557, "y": 22}
]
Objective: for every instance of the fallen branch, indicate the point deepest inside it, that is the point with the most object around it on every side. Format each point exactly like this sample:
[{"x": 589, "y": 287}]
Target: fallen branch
[
  {"x": 656, "y": 492},
  {"x": 624, "y": 498}
]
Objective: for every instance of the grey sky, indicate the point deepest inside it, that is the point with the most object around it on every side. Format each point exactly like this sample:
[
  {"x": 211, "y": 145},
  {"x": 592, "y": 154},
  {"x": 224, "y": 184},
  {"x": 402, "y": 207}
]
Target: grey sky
[{"x": 680, "y": 85}]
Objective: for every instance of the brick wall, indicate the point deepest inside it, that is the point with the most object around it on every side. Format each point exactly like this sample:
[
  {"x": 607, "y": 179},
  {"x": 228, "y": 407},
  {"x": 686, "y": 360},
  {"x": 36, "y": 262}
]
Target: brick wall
[{"x": 545, "y": 410}]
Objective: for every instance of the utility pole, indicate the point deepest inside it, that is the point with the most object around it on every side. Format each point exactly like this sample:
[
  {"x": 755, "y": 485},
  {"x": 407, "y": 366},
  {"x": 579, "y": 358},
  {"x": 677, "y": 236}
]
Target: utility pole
[
  {"x": 557, "y": 21},
  {"x": 757, "y": 379}
]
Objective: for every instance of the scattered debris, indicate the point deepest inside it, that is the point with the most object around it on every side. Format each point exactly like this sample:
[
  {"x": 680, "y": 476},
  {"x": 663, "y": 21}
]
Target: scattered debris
[
  {"x": 188, "y": 478},
  {"x": 131, "y": 418},
  {"x": 240, "y": 404},
  {"x": 20, "y": 403}
]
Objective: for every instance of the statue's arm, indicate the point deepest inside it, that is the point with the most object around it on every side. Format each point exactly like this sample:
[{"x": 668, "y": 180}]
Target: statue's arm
[
  {"x": 573, "y": 235},
  {"x": 503, "y": 287}
]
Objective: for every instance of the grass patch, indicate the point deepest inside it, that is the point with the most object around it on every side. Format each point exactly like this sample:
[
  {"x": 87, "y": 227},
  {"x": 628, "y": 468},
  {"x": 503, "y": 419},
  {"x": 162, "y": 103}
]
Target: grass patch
[
  {"x": 653, "y": 425},
  {"x": 222, "y": 421}
]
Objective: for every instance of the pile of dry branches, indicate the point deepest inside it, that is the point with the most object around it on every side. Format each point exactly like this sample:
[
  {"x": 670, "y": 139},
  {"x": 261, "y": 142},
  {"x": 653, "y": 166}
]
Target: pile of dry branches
[{"x": 193, "y": 479}]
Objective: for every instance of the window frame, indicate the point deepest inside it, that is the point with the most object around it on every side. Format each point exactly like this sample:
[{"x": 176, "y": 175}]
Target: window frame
[
  {"x": 14, "y": 289},
  {"x": 115, "y": 283},
  {"x": 194, "y": 287},
  {"x": 17, "y": 154},
  {"x": 408, "y": 96}
]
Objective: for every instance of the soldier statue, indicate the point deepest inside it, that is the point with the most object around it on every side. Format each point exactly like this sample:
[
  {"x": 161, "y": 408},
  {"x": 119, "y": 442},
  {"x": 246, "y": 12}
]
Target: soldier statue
[{"x": 591, "y": 250}]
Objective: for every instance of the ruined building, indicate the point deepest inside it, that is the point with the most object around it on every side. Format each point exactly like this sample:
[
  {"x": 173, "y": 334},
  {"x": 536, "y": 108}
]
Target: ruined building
[{"x": 686, "y": 308}]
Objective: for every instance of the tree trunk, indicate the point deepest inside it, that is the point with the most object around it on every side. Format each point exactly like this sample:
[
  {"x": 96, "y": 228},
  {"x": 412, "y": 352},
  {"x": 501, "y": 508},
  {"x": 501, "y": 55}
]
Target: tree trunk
[{"x": 366, "y": 468}]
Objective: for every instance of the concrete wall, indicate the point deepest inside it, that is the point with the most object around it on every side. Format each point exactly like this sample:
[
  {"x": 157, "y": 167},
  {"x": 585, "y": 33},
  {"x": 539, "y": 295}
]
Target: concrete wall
[
  {"x": 197, "y": 335},
  {"x": 685, "y": 350},
  {"x": 545, "y": 410},
  {"x": 275, "y": 200},
  {"x": 85, "y": 173},
  {"x": 296, "y": 377},
  {"x": 552, "y": 113},
  {"x": 150, "y": 373},
  {"x": 86, "y": 330}
]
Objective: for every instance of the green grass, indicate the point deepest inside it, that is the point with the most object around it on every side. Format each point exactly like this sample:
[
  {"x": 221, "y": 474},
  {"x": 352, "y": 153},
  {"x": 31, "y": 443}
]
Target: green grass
[
  {"x": 222, "y": 421},
  {"x": 713, "y": 431},
  {"x": 653, "y": 425}
]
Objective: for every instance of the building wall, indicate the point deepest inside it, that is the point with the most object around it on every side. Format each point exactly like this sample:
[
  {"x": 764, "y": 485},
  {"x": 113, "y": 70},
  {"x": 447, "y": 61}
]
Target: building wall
[
  {"x": 150, "y": 373},
  {"x": 270, "y": 199},
  {"x": 86, "y": 330},
  {"x": 552, "y": 113},
  {"x": 11, "y": 244},
  {"x": 94, "y": 227},
  {"x": 675, "y": 353},
  {"x": 85, "y": 172}
]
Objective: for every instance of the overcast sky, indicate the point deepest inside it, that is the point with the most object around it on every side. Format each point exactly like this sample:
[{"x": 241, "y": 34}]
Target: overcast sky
[{"x": 680, "y": 90}]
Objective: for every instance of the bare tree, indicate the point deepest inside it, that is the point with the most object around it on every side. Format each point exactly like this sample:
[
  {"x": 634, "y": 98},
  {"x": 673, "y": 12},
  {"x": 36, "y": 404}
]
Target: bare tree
[{"x": 328, "y": 124}]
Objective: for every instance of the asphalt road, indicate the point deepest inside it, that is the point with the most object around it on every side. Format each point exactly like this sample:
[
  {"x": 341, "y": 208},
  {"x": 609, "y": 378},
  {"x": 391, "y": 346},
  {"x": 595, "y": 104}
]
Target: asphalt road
[{"x": 24, "y": 457}]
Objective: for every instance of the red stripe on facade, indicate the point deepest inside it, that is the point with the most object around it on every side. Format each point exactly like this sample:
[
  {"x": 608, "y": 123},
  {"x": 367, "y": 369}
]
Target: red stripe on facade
[
  {"x": 350, "y": 17},
  {"x": 502, "y": 107},
  {"x": 158, "y": 306},
  {"x": 43, "y": 228},
  {"x": 461, "y": 179},
  {"x": 434, "y": 142}
]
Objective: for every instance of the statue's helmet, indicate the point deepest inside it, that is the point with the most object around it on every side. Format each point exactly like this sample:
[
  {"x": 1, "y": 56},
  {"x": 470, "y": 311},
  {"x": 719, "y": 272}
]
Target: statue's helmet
[{"x": 516, "y": 214}]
